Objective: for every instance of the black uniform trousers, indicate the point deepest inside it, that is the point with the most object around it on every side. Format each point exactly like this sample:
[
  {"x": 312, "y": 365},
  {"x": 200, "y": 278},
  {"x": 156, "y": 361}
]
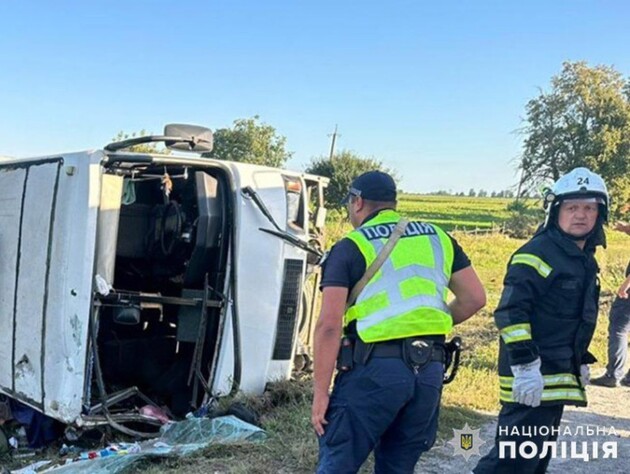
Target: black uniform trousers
[{"x": 526, "y": 420}]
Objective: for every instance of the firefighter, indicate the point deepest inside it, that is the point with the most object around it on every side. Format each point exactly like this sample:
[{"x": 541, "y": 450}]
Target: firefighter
[
  {"x": 546, "y": 318},
  {"x": 386, "y": 397}
]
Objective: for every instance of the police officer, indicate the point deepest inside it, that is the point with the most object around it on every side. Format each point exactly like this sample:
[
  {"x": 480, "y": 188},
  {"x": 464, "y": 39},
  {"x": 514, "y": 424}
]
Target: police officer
[
  {"x": 389, "y": 400},
  {"x": 546, "y": 318}
]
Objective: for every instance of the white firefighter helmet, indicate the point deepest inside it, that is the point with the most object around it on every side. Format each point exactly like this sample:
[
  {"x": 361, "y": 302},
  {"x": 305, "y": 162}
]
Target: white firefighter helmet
[{"x": 579, "y": 183}]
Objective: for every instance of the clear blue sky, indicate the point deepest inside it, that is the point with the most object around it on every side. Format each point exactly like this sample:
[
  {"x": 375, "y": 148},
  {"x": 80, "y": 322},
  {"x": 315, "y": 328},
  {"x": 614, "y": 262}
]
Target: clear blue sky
[{"x": 434, "y": 89}]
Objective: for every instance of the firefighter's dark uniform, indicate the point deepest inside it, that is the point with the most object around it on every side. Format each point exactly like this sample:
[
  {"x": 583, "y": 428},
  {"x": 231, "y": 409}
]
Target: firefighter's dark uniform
[{"x": 548, "y": 309}]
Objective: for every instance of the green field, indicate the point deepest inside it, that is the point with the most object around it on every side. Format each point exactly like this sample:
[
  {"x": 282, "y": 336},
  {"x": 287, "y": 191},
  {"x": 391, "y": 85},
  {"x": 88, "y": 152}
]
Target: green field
[{"x": 451, "y": 212}]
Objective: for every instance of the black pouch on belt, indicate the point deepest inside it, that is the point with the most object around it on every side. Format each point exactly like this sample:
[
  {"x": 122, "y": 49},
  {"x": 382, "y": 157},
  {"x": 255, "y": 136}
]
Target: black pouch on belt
[
  {"x": 345, "y": 360},
  {"x": 417, "y": 352}
]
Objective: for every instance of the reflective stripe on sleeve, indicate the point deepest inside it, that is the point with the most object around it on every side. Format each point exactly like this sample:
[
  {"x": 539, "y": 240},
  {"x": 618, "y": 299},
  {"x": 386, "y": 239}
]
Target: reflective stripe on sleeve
[
  {"x": 574, "y": 394},
  {"x": 533, "y": 261},
  {"x": 553, "y": 380},
  {"x": 516, "y": 332}
]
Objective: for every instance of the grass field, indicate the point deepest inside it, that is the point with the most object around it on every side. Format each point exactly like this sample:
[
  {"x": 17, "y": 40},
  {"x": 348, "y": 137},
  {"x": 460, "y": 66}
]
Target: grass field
[
  {"x": 452, "y": 213},
  {"x": 449, "y": 212}
]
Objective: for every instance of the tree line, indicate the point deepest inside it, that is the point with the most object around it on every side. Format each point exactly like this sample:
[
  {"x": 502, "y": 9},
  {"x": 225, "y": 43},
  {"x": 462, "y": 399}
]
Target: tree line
[
  {"x": 582, "y": 119},
  {"x": 504, "y": 193}
]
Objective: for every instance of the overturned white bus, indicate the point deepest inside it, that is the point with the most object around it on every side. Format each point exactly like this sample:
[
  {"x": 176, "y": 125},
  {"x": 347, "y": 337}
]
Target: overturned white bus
[{"x": 132, "y": 278}]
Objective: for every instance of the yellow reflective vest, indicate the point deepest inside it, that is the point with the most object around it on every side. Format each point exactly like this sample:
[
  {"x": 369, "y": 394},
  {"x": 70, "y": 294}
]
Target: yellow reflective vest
[{"x": 407, "y": 296}]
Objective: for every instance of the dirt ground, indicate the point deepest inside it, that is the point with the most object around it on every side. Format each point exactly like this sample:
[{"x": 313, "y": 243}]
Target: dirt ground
[{"x": 607, "y": 408}]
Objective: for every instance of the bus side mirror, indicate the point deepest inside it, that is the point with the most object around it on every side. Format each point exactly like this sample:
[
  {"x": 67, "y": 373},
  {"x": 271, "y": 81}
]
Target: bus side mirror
[{"x": 193, "y": 137}]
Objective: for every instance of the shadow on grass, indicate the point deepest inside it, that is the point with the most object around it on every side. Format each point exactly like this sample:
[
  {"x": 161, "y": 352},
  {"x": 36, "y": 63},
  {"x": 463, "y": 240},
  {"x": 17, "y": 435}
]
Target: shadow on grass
[{"x": 456, "y": 417}]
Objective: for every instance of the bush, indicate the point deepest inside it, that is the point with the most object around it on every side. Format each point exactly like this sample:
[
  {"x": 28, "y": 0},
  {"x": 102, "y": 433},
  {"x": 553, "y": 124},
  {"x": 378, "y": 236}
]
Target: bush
[
  {"x": 342, "y": 169},
  {"x": 523, "y": 220}
]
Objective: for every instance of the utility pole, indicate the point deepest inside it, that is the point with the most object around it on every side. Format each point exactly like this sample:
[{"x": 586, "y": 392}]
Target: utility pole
[{"x": 332, "y": 144}]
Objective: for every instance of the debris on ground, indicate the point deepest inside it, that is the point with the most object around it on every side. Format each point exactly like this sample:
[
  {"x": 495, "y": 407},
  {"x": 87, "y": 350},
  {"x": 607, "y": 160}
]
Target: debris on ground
[
  {"x": 155, "y": 412},
  {"x": 176, "y": 440}
]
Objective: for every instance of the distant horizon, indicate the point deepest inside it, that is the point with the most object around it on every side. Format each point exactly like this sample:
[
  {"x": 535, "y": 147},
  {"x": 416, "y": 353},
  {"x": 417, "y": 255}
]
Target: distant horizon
[{"x": 436, "y": 192}]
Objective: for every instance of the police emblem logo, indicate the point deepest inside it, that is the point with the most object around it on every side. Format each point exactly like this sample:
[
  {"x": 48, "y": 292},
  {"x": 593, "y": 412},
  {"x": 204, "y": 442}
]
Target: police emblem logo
[{"x": 466, "y": 442}]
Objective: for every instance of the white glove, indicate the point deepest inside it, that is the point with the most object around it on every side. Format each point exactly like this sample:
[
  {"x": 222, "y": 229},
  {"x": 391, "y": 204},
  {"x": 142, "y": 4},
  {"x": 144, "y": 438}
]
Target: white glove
[
  {"x": 528, "y": 383},
  {"x": 585, "y": 375}
]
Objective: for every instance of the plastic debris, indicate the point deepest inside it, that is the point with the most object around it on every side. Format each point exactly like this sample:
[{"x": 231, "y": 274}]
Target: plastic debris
[
  {"x": 71, "y": 434},
  {"x": 155, "y": 412},
  {"x": 225, "y": 429},
  {"x": 201, "y": 412},
  {"x": 33, "y": 468},
  {"x": 29, "y": 454},
  {"x": 177, "y": 439},
  {"x": 66, "y": 450},
  {"x": 119, "y": 449}
]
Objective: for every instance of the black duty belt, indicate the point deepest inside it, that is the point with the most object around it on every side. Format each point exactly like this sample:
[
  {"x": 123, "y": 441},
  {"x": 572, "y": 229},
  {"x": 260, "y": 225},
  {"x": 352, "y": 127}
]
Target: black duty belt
[{"x": 393, "y": 349}]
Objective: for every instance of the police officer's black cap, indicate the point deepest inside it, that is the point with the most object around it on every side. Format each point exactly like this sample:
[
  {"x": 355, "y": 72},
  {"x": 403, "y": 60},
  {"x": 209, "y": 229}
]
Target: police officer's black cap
[{"x": 373, "y": 186}]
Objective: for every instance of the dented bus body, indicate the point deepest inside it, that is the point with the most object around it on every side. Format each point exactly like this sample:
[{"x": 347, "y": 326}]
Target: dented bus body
[{"x": 131, "y": 279}]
